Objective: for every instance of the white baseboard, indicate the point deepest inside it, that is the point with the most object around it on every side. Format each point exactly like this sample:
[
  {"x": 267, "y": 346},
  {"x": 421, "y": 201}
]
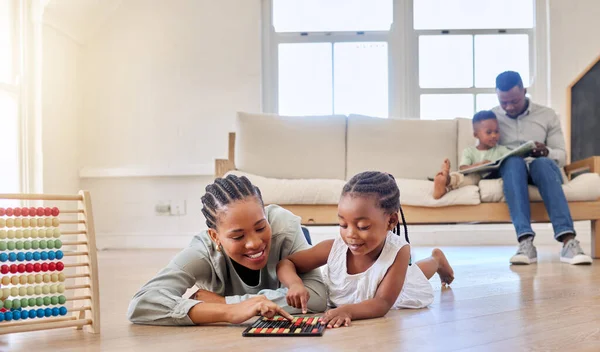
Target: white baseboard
[{"x": 421, "y": 235}]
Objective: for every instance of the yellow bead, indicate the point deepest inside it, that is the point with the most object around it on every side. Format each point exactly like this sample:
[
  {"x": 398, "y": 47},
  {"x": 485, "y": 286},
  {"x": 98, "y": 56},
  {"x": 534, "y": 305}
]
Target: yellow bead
[
  {"x": 33, "y": 222},
  {"x": 18, "y": 222},
  {"x": 53, "y": 288},
  {"x": 37, "y": 290},
  {"x": 2, "y": 234},
  {"x": 26, "y": 222},
  {"x": 23, "y": 279},
  {"x": 49, "y": 233},
  {"x": 30, "y": 290},
  {"x": 61, "y": 277},
  {"x": 56, "y": 233},
  {"x": 31, "y": 279},
  {"x": 5, "y": 280},
  {"x": 14, "y": 280},
  {"x": 26, "y": 233},
  {"x": 10, "y": 222},
  {"x": 22, "y": 291},
  {"x": 54, "y": 277},
  {"x": 48, "y": 222},
  {"x": 55, "y": 222},
  {"x": 14, "y": 291},
  {"x": 10, "y": 234},
  {"x": 2, "y": 222},
  {"x": 38, "y": 278},
  {"x": 5, "y": 293},
  {"x": 46, "y": 289},
  {"x": 34, "y": 233},
  {"x": 19, "y": 234},
  {"x": 46, "y": 278}
]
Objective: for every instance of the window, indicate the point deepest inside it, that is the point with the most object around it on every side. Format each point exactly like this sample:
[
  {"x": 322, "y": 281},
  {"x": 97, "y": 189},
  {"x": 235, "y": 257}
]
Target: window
[
  {"x": 9, "y": 97},
  {"x": 463, "y": 45},
  {"x": 331, "y": 57}
]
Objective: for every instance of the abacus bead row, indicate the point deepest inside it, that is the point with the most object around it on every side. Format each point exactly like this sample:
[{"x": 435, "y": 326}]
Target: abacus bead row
[
  {"x": 33, "y": 313},
  {"x": 33, "y": 233},
  {"x": 29, "y": 256},
  {"x": 31, "y": 290},
  {"x": 32, "y": 279},
  {"x": 25, "y": 222},
  {"x": 30, "y": 268},
  {"x": 31, "y": 211},
  {"x": 33, "y": 302},
  {"x": 27, "y": 245}
]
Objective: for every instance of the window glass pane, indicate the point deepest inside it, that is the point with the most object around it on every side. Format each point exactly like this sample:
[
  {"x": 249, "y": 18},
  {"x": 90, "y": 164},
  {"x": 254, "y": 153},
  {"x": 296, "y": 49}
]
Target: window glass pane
[
  {"x": 305, "y": 79},
  {"x": 9, "y": 157},
  {"x": 495, "y": 54},
  {"x": 446, "y": 61},
  {"x": 361, "y": 79},
  {"x": 332, "y": 15},
  {"x": 473, "y": 14},
  {"x": 486, "y": 101},
  {"x": 446, "y": 106},
  {"x": 6, "y": 41}
]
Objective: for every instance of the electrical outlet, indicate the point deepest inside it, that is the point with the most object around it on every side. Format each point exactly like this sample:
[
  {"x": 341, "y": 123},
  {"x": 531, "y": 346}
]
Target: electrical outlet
[{"x": 177, "y": 207}]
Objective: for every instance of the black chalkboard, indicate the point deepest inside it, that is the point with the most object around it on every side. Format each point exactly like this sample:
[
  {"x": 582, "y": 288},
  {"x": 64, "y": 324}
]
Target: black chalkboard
[{"x": 585, "y": 115}]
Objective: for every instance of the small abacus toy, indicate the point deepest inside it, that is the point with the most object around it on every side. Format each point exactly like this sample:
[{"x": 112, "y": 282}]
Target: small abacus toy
[
  {"x": 48, "y": 276},
  {"x": 280, "y": 326}
]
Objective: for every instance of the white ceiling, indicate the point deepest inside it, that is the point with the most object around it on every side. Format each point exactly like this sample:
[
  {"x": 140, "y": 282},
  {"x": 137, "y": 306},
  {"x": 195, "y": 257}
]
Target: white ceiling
[{"x": 79, "y": 19}]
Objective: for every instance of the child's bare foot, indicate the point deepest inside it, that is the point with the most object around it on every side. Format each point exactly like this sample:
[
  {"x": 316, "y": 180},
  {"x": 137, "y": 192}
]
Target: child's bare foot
[
  {"x": 444, "y": 269},
  {"x": 441, "y": 180}
]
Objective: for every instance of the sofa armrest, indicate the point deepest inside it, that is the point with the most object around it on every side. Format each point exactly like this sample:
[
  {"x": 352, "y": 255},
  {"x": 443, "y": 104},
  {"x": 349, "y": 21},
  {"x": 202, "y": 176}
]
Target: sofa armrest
[{"x": 591, "y": 164}]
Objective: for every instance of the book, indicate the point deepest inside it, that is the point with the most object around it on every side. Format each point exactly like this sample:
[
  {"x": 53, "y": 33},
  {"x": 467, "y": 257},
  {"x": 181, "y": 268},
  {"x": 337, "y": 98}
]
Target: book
[{"x": 523, "y": 150}]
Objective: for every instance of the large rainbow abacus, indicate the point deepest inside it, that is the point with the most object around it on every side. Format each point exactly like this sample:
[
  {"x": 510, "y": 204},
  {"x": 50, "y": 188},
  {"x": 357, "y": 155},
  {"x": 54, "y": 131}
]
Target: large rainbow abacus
[
  {"x": 48, "y": 276},
  {"x": 279, "y": 326}
]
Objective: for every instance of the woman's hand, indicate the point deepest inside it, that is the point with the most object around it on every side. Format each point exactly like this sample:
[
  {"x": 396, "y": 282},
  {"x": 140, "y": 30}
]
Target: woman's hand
[
  {"x": 297, "y": 297},
  {"x": 259, "y": 305},
  {"x": 334, "y": 318},
  {"x": 208, "y": 297}
]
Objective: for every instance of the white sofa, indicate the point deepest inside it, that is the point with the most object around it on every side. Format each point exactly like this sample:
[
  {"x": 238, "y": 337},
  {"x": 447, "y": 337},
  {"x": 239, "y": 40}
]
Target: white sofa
[{"x": 302, "y": 163}]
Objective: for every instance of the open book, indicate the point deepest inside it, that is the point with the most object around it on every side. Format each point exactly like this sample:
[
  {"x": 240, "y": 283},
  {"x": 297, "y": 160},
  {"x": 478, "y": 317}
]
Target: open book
[{"x": 523, "y": 150}]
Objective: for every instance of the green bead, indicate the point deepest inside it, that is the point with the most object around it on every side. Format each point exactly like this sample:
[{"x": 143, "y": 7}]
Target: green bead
[
  {"x": 54, "y": 300},
  {"x": 16, "y": 303},
  {"x": 39, "y": 301},
  {"x": 27, "y": 245},
  {"x": 62, "y": 299},
  {"x": 35, "y": 244},
  {"x": 24, "y": 302},
  {"x": 19, "y": 245},
  {"x": 10, "y": 245},
  {"x": 57, "y": 244},
  {"x": 31, "y": 302},
  {"x": 1, "y": 304},
  {"x": 8, "y": 304},
  {"x": 2, "y": 246},
  {"x": 42, "y": 244},
  {"x": 50, "y": 244},
  {"x": 46, "y": 301}
]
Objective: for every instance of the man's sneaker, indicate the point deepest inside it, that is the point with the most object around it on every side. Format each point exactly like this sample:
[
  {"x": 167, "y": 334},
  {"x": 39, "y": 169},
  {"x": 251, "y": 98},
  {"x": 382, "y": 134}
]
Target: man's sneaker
[
  {"x": 573, "y": 254},
  {"x": 526, "y": 254}
]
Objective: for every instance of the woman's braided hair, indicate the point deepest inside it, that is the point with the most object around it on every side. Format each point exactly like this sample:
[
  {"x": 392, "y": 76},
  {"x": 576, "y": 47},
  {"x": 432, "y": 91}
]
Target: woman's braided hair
[
  {"x": 225, "y": 191},
  {"x": 383, "y": 186}
]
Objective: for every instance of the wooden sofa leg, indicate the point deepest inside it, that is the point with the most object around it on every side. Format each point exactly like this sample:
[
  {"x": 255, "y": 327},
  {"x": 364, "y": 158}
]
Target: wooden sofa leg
[{"x": 596, "y": 239}]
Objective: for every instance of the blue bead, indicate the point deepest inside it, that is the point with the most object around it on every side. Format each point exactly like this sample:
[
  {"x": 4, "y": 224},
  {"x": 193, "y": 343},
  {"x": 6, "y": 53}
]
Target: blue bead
[
  {"x": 16, "y": 315},
  {"x": 44, "y": 255},
  {"x": 1, "y": 317},
  {"x": 8, "y": 316},
  {"x": 28, "y": 256},
  {"x": 3, "y": 257},
  {"x": 20, "y": 256},
  {"x": 40, "y": 313},
  {"x": 32, "y": 314},
  {"x": 12, "y": 257},
  {"x": 48, "y": 312},
  {"x": 55, "y": 312},
  {"x": 51, "y": 255},
  {"x": 24, "y": 314},
  {"x": 59, "y": 254},
  {"x": 36, "y": 255},
  {"x": 63, "y": 311}
]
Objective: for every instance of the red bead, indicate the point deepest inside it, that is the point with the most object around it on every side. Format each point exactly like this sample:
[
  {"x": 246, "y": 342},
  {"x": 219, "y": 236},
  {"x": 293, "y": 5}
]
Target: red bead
[
  {"x": 13, "y": 268},
  {"x": 47, "y": 211},
  {"x": 25, "y": 211},
  {"x": 40, "y": 211},
  {"x": 44, "y": 267},
  {"x": 32, "y": 211},
  {"x": 29, "y": 268},
  {"x": 10, "y": 212},
  {"x": 37, "y": 267},
  {"x": 52, "y": 266},
  {"x": 2, "y": 211},
  {"x": 4, "y": 269},
  {"x": 17, "y": 211},
  {"x": 55, "y": 211},
  {"x": 3, "y": 310},
  {"x": 60, "y": 266},
  {"x": 21, "y": 268}
]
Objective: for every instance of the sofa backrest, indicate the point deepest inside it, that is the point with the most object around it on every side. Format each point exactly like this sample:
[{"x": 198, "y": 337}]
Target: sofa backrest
[
  {"x": 291, "y": 147},
  {"x": 411, "y": 149},
  {"x": 465, "y": 136}
]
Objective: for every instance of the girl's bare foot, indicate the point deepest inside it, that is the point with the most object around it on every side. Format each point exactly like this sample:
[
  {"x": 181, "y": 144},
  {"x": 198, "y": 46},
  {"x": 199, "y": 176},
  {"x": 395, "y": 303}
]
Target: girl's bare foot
[
  {"x": 441, "y": 180},
  {"x": 444, "y": 269}
]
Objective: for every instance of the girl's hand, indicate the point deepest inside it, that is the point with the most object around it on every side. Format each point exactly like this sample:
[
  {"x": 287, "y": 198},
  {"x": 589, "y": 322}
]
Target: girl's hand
[
  {"x": 334, "y": 318},
  {"x": 259, "y": 305},
  {"x": 208, "y": 297},
  {"x": 297, "y": 296}
]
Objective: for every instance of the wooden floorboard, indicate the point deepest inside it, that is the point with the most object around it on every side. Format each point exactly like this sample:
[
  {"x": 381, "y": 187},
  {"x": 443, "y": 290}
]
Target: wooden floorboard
[{"x": 491, "y": 307}]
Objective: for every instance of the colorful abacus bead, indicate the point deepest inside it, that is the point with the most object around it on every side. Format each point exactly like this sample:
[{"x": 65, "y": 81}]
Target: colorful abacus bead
[
  {"x": 3, "y": 257},
  {"x": 17, "y": 211},
  {"x": 25, "y": 211},
  {"x": 55, "y": 211},
  {"x": 2, "y": 211},
  {"x": 39, "y": 211},
  {"x": 47, "y": 211},
  {"x": 4, "y": 269},
  {"x": 10, "y": 212},
  {"x": 32, "y": 211},
  {"x": 60, "y": 266}
]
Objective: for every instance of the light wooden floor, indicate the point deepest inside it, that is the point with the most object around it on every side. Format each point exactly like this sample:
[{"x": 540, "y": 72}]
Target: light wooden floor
[{"x": 491, "y": 307}]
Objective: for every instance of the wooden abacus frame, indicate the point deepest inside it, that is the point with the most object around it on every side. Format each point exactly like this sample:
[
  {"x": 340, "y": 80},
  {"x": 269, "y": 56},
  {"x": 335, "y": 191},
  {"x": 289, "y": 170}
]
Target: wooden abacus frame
[{"x": 86, "y": 281}]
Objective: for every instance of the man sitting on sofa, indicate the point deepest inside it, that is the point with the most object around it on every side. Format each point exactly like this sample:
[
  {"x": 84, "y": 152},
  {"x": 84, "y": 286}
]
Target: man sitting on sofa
[{"x": 522, "y": 120}]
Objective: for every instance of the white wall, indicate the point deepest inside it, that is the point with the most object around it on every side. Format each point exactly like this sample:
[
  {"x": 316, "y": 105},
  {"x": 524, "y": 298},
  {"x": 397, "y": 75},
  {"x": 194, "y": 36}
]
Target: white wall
[{"x": 162, "y": 83}]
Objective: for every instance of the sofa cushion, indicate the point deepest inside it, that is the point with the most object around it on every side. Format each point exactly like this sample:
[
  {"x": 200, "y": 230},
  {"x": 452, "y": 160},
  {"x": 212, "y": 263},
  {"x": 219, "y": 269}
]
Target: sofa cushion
[
  {"x": 408, "y": 149},
  {"x": 420, "y": 193},
  {"x": 585, "y": 187},
  {"x": 290, "y": 191},
  {"x": 291, "y": 147}
]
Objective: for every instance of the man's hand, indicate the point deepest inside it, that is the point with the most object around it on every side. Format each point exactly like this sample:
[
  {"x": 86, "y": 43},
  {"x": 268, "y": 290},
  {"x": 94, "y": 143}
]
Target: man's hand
[
  {"x": 539, "y": 150},
  {"x": 208, "y": 297}
]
